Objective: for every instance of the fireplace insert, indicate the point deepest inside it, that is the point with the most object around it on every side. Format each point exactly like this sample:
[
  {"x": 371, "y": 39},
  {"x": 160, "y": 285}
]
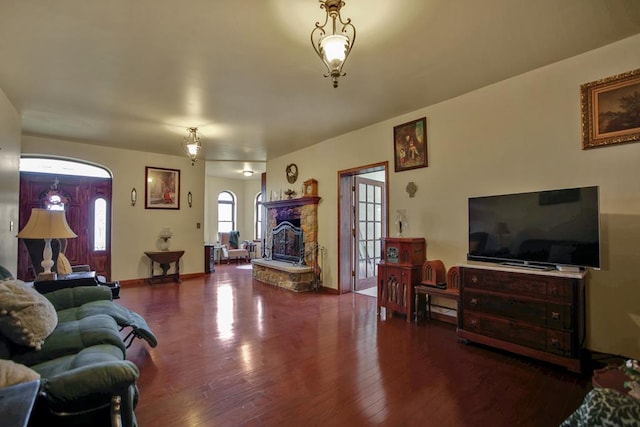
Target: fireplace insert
[{"x": 287, "y": 243}]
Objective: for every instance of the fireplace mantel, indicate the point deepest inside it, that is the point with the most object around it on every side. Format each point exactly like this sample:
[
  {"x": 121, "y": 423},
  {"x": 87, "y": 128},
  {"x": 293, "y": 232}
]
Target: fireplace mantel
[{"x": 300, "y": 201}]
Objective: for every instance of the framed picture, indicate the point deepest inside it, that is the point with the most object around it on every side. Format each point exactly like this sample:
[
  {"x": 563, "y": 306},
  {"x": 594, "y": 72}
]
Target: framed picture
[
  {"x": 610, "y": 110},
  {"x": 162, "y": 188},
  {"x": 410, "y": 145}
]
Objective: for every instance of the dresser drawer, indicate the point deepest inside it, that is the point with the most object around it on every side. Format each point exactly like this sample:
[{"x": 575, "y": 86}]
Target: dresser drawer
[
  {"x": 540, "y": 313},
  {"x": 559, "y": 342},
  {"x": 533, "y": 285},
  {"x": 512, "y": 331}
]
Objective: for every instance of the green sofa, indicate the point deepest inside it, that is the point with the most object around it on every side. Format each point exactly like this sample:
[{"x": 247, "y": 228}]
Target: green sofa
[{"x": 71, "y": 339}]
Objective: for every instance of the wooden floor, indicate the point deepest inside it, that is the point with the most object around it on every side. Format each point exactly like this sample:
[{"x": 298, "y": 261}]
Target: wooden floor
[{"x": 234, "y": 352}]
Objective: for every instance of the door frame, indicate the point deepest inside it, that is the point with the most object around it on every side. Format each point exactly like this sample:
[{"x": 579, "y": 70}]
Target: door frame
[{"x": 345, "y": 203}]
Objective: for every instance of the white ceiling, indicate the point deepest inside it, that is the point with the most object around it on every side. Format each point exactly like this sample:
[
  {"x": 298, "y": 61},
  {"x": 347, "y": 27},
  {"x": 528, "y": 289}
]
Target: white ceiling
[{"x": 136, "y": 73}]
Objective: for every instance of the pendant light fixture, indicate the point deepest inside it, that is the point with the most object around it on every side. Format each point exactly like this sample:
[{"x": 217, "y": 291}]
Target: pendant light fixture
[
  {"x": 192, "y": 145},
  {"x": 333, "y": 44}
]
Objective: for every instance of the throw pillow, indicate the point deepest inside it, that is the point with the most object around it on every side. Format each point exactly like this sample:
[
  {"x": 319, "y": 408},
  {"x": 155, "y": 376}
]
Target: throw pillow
[
  {"x": 26, "y": 317},
  {"x": 64, "y": 266},
  {"x": 12, "y": 373}
]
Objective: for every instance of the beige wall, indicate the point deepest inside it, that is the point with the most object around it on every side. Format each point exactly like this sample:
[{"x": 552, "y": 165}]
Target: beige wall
[
  {"x": 245, "y": 191},
  {"x": 522, "y": 134},
  {"x": 134, "y": 228},
  {"x": 10, "y": 127}
]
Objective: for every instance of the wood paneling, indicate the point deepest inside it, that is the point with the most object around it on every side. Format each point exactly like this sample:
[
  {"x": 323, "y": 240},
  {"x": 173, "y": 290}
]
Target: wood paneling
[{"x": 236, "y": 352}]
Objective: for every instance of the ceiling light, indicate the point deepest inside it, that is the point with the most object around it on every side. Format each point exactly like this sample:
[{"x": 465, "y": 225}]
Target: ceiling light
[
  {"x": 247, "y": 172},
  {"x": 333, "y": 48},
  {"x": 192, "y": 144}
]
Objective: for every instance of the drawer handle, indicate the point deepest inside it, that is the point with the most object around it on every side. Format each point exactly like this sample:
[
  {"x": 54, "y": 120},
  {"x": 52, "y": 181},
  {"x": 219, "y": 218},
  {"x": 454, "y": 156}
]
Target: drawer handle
[
  {"x": 473, "y": 301},
  {"x": 555, "y": 343},
  {"x": 554, "y": 291},
  {"x": 474, "y": 324},
  {"x": 474, "y": 279},
  {"x": 555, "y": 315}
]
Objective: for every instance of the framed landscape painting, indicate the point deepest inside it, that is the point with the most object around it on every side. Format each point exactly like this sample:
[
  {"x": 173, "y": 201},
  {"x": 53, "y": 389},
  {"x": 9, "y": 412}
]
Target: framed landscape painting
[
  {"x": 410, "y": 145},
  {"x": 610, "y": 110},
  {"x": 162, "y": 188}
]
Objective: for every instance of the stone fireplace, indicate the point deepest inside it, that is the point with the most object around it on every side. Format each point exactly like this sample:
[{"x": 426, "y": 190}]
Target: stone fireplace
[{"x": 291, "y": 245}]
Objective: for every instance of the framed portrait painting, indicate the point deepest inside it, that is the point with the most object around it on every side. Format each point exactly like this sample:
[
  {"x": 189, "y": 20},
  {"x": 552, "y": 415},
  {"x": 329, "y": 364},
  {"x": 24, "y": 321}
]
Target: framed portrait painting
[
  {"x": 609, "y": 110},
  {"x": 162, "y": 188},
  {"x": 410, "y": 145}
]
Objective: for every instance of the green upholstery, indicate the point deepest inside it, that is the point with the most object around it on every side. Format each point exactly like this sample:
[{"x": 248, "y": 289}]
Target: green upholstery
[
  {"x": 75, "y": 297},
  {"x": 84, "y": 308},
  {"x": 82, "y": 362},
  {"x": 71, "y": 337}
]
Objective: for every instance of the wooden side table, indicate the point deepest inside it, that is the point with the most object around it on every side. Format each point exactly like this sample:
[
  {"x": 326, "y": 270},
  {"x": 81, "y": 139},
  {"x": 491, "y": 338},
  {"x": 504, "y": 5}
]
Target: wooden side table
[{"x": 165, "y": 258}]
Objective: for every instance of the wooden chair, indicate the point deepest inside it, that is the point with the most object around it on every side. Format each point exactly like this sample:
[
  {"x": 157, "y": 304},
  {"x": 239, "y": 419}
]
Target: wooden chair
[{"x": 436, "y": 284}]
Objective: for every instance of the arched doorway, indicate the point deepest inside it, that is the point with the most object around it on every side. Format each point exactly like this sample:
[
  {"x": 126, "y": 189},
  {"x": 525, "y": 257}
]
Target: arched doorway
[{"x": 83, "y": 191}]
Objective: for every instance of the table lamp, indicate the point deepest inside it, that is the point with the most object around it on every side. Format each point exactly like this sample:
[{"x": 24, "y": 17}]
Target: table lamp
[{"x": 47, "y": 225}]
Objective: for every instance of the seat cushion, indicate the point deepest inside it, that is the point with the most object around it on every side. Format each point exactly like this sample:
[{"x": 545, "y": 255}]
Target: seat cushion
[
  {"x": 122, "y": 315},
  {"x": 26, "y": 316},
  {"x": 85, "y": 381},
  {"x": 71, "y": 337}
]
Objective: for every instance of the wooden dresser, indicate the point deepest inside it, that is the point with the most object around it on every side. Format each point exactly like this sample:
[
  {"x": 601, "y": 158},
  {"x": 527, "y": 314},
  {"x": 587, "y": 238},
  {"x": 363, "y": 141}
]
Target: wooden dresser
[
  {"x": 398, "y": 272},
  {"x": 539, "y": 314}
]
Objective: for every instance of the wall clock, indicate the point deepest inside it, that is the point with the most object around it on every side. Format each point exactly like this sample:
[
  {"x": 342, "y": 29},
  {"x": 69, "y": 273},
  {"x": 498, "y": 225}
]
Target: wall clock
[
  {"x": 310, "y": 187},
  {"x": 292, "y": 173}
]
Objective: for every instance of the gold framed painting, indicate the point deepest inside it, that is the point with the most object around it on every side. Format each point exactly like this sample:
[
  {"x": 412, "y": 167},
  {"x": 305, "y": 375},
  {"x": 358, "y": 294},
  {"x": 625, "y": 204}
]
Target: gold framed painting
[
  {"x": 162, "y": 188},
  {"x": 410, "y": 145},
  {"x": 610, "y": 110}
]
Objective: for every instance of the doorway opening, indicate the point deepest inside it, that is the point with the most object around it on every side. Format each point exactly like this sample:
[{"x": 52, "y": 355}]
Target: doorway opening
[
  {"x": 83, "y": 192},
  {"x": 363, "y": 213}
]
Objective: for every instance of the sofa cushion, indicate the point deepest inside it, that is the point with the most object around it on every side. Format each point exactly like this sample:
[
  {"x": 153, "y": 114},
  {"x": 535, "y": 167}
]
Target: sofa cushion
[
  {"x": 77, "y": 296},
  {"x": 86, "y": 380},
  {"x": 12, "y": 373},
  {"x": 26, "y": 317},
  {"x": 71, "y": 337},
  {"x": 123, "y": 317}
]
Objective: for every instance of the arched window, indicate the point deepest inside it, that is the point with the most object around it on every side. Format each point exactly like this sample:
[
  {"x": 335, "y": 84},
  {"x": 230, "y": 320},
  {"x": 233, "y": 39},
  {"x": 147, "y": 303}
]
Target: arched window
[
  {"x": 100, "y": 224},
  {"x": 258, "y": 216},
  {"x": 226, "y": 211}
]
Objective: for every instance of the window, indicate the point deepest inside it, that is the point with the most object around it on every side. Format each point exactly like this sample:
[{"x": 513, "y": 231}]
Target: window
[
  {"x": 100, "y": 224},
  {"x": 226, "y": 211},
  {"x": 258, "y": 216}
]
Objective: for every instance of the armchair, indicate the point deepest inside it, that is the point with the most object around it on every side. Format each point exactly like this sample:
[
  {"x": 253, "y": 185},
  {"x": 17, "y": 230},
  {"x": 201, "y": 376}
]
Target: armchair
[{"x": 231, "y": 247}]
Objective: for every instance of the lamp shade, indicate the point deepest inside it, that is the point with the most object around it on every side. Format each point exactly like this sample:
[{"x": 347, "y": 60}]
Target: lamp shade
[
  {"x": 46, "y": 224},
  {"x": 334, "y": 50}
]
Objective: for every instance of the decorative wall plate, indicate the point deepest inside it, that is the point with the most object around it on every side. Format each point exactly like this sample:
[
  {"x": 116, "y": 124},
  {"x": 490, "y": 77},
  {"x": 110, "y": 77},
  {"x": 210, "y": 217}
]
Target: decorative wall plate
[{"x": 292, "y": 173}]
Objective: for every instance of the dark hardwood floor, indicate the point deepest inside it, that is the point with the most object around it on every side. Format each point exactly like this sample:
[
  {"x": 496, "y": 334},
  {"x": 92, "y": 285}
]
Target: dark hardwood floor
[{"x": 234, "y": 352}]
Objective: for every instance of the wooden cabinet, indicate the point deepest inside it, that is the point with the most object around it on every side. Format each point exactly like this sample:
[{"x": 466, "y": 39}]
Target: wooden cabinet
[
  {"x": 209, "y": 259},
  {"x": 399, "y": 272},
  {"x": 538, "y": 314}
]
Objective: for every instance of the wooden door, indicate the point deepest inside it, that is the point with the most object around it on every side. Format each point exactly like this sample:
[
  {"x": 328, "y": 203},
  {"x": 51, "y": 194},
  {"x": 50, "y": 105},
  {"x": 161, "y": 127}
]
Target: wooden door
[{"x": 79, "y": 196}]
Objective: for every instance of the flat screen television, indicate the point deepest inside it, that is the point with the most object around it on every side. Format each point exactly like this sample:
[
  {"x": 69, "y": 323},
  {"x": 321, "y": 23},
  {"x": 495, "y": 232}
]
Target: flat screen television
[{"x": 546, "y": 229}]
